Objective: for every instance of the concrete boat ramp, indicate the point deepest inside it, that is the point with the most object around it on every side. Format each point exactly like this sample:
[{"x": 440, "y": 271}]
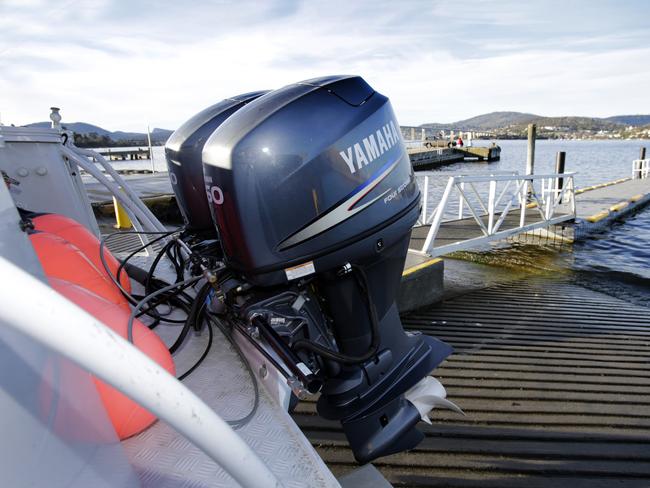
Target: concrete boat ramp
[{"x": 553, "y": 379}]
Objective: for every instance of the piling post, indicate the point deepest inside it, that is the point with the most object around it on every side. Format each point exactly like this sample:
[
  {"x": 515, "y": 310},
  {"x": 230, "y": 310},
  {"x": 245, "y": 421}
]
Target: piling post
[
  {"x": 424, "y": 134},
  {"x": 642, "y": 153},
  {"x": 560, "y": 158},
  {"x": 530, "y": 159}
]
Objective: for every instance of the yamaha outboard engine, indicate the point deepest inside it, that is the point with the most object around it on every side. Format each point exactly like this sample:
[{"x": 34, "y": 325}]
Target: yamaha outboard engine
[
  {"x": 183, "y": 152},
  {"x": 313, "y": 196}
]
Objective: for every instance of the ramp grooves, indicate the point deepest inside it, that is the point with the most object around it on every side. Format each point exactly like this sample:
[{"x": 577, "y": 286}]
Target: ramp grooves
[{"x": 555, "y": 381}]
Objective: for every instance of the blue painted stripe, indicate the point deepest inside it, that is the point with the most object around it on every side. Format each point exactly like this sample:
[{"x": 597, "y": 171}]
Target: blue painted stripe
[{"x": 369, "y": 181}]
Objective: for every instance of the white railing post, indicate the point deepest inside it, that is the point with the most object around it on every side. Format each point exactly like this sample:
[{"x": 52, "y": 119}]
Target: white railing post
[
  {"x": 524, "y": 201},
  {"x": 573, "y": 196},
  {"x": 437, "y": 219},
  {"x": 491, "y": 205},
  {"x": 550, "y": 200},
  {"x": 461, "y": 203}
]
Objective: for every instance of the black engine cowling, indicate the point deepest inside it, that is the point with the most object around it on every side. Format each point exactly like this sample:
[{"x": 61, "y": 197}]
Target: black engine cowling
[
  {"x": 183, "y": 153},
  {"x": 313, "y": 194}
]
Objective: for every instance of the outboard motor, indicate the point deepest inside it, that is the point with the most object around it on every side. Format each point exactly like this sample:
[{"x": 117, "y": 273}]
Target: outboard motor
[
  {"x": 183, "y": 153},
  {"x": 314, "y": 197}
]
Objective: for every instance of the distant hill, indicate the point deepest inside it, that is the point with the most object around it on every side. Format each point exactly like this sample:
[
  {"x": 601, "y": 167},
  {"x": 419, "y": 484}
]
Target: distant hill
[
  {"x": 489, "y": 121},
  {"x": 78, "y": 127},
  {"x": 83, "y": 128},
  {"x": 634, "y": 120},
  {"x": 499, "y": 120}
]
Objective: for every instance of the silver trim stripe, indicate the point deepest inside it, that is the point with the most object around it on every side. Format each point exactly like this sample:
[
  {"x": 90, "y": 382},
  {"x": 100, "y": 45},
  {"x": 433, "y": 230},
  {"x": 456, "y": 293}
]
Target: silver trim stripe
[{"x": 339, "y": 214}]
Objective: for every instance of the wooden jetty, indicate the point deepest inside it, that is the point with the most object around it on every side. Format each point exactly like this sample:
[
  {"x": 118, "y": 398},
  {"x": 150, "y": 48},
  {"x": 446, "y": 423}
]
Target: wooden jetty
[
  {"x": 423, "y": 158},
  {"x": 426, "y": 158},
  {"x": 126, "y": 154},
  {"x": 489, "y": 154}
]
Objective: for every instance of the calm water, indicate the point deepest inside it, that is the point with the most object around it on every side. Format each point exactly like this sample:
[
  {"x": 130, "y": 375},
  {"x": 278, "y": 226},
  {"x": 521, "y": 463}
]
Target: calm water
[
  {"x": 615, "y": 262},
  {"x": 624, "y": 249},
  {"x": 592, "y": 161}
]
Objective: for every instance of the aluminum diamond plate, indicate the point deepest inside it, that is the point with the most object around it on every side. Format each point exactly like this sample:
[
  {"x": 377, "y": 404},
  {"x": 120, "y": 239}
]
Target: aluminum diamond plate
[{"x": 163, "y": 458}]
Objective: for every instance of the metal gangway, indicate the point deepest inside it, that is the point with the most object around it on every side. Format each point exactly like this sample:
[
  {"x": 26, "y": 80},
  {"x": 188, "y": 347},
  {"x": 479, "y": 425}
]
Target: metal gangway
[{"x": 480, "y": 208}]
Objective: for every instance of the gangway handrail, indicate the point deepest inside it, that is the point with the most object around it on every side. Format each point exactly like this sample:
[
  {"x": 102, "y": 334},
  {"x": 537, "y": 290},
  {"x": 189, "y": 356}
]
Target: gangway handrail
[
  {"x": 96, "y": 348},
  {"x": 556, "y": 189},
  {"x": 482, "y": 178},
  {"x": 451, "y": 173}
]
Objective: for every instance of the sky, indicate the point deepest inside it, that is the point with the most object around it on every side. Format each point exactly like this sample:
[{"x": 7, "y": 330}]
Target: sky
[{"x": 124, "y": 65}]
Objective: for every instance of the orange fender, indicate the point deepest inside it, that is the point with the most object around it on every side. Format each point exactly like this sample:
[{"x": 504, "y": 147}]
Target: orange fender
[
  {"x": 63, "y": 260},
  {"x": 128, "y": 417},
  {"x": 75, "y": 233}
]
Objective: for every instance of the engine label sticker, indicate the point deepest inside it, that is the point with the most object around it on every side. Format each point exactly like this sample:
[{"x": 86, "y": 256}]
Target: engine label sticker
[
  {"x": 299, "y": 271},
  {"x": 396, "y": 192}
]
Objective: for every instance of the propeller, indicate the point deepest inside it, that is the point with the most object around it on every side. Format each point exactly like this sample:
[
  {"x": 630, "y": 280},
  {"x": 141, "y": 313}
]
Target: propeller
[{"x": 429, "y": 394}]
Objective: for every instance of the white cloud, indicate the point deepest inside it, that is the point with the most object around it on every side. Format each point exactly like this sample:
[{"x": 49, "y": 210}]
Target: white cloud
[{"x": 122, "y": 66}]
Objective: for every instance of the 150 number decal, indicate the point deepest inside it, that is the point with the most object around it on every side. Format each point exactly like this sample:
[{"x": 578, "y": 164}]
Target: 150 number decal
[{"x": 215, "y": 195}]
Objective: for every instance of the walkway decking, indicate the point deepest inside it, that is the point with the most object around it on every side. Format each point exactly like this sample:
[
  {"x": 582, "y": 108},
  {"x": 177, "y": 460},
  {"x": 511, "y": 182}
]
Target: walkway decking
[
  {"x": 555, "y": 382},
  {"x": 454, "y": 231},
  {"x": 593, "y": 201},
  {"x": 599, "y": 207}
]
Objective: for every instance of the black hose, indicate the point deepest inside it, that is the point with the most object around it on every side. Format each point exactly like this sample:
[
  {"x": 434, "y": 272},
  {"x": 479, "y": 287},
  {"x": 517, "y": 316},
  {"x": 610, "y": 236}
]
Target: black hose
[
  {"x": 154, "y": 265},
  {"x": 211, "y": 320},
  {"x": 102, "y": 257},
  {"x": 374, "y": 323},
  {"x": 241, "y": 422},
  {"x": 126, "y": 260},
  {"x": 146, "y": 299},
  {"x": 203, "y": 356},
  {"x": 116, "y": 279},
  {"x": 171, "y": 298},
  {"x": 193, "y": 318}
]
